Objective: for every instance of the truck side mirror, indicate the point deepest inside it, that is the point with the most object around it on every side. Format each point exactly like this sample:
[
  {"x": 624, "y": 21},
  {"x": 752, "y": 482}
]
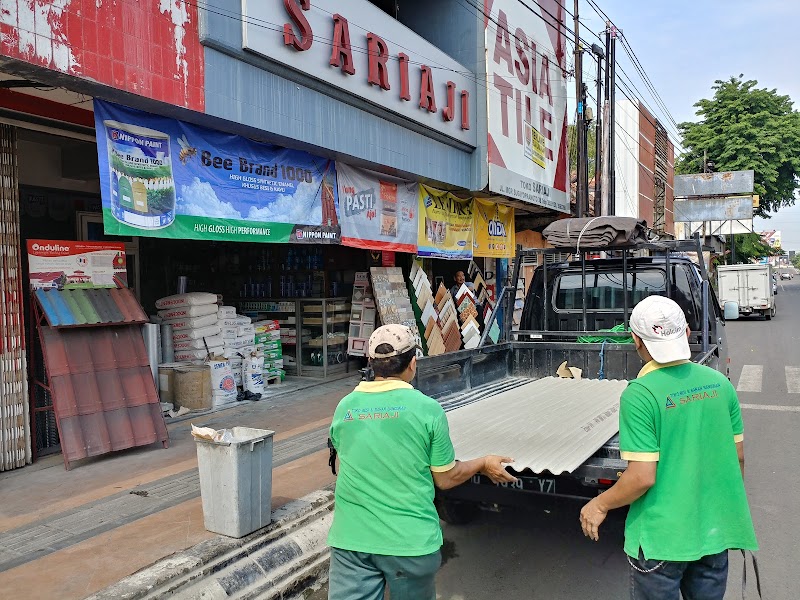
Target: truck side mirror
[{"x": 731, "y": 311}]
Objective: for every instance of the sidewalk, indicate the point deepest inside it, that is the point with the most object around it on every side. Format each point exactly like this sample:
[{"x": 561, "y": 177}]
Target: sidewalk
[{"x": 67, "y": 534}]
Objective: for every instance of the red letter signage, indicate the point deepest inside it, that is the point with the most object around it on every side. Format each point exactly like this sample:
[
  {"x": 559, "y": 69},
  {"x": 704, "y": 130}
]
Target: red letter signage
[
  {"x": 427, "y": 97},
  {"x": 303, "y": 42},
  {"x": 341, "y": 54},
  {"x": 464, "y": 109},
  {"x": 405, "y": 94},
  {"x": 378, "y": 55},
  {"x": 449, "y": 111}
]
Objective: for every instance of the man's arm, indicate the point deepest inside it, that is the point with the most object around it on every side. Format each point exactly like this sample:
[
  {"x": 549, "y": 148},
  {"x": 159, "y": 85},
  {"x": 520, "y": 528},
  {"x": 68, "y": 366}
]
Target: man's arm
[
  {"x": 459, "y": 472},
  {"x": 634, "y": 482},
  {"x": 740, "y": 453}
]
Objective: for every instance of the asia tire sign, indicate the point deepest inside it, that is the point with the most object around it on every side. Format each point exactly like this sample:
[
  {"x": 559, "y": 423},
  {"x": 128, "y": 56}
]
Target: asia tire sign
[{"x": 527, "y": 102}]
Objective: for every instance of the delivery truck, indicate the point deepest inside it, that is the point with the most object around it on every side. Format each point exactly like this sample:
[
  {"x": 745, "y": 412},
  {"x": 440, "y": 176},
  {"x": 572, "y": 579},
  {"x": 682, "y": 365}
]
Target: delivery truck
[{"x": 751, "y": 286}]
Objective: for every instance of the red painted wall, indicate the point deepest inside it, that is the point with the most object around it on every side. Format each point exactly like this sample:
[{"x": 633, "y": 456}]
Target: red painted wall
[{"x": 147, "y": 47}]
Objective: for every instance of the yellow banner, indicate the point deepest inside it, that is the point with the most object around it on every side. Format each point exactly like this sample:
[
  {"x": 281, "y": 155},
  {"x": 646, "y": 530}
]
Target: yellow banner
[
  {"x": 445, "y": 225},
  {"x": 494, "y": 230}
]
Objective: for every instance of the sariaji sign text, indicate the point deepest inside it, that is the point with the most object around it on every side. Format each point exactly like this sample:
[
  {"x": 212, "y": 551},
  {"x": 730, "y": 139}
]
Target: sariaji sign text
[{"x": 351, "y": 44}]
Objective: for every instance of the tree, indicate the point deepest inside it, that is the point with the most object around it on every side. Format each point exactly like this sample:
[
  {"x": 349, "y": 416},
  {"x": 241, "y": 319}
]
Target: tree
[
  {"x": 750, "y": 247},
  {"x": 743, "y": 127}
]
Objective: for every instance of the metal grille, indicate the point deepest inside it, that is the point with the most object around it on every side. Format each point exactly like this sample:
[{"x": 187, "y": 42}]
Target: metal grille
[
  {"x": 15, "y": 448},
  {"x": 660, "y": 188}
]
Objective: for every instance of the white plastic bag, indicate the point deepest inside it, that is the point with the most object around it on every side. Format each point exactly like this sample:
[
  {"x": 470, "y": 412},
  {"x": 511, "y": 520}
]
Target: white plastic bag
[
  {"x": 201, "y": 344},
  {"x": 192, "y": 322},
  {"x": 182, "y": 312},
  {"x": 253, "y": 374},
  {"x": 196, "y": 334}
]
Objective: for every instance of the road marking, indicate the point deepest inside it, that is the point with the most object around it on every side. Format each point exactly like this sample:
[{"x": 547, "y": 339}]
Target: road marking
[
  {"x": 750, "y": 380},
  {"x": 793, "y": 380},
  {"x": 771, "y": 407}
]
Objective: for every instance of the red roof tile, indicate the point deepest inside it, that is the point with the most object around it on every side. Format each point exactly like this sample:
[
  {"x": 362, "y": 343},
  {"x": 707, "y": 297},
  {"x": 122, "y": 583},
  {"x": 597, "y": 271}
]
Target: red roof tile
[{"x": 104, "y": 396}]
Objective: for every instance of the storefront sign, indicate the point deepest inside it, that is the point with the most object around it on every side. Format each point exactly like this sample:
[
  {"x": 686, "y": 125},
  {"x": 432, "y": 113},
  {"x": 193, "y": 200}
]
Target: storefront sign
[
  {"x": 377, "y": 212},
  {"x": 527, "y": 89},
  {"x": 354, "y": 46},
  {"x": 445, "y": 225},
  {"x": 494, "y": 230},
  {"x": 64, "y": 264},
  {"x": 160, "y": 177}
]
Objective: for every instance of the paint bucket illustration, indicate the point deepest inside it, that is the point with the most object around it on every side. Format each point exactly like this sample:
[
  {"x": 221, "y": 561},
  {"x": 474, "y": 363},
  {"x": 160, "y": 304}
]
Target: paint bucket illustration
[{"x": 142, "y": 185}]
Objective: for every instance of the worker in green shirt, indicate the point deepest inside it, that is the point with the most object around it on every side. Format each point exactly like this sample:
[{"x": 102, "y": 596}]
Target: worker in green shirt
[
  {"x": 393, "y": 444},
  {"x": 680, "y": 429}
]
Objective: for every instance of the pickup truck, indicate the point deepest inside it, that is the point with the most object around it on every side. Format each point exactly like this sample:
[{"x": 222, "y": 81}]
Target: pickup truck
[{"x": 565, "y": 303}]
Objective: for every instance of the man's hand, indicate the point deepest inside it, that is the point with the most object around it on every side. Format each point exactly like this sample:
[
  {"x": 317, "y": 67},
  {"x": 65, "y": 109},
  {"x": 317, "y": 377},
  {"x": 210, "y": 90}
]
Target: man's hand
[
  {"x": 494, "y": 469},
  {"x": 592, "y": 516}
]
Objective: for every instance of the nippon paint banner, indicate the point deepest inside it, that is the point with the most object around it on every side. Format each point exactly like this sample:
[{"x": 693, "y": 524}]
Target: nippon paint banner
[
  {"x": 494, "y": 235},
  {"x": 527, "y": 102},
  {"x": 445, "y": 225},
  {"x": 377, "y": 212},
  {"x": 161, "y": 177},
  {"x": 57, "y": 264}
]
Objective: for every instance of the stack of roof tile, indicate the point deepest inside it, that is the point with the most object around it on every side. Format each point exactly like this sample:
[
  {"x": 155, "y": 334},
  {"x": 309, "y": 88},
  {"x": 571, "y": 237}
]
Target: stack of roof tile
[{"x": 104, "y": 396}]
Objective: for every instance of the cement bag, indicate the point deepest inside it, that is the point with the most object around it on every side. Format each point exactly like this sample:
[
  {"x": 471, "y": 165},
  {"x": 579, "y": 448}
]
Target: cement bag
[
  {"x": 253, "y": 374},
  {"x": 197, "y": 354},
  {"x": 192, "y": 322},
  {"x": 185, "y": 300},
  {"x": 241, "y": 320},
  {"x": 228, "y": 323},
  {"x": 226, "y": 312},
  {"x": 223, "y": 385},
  {"x": 201, "y": 344},
  {"x": 229, "y": 333},
  {"x": 182, "y": 312},
  {"x": 196, "y": 334}
]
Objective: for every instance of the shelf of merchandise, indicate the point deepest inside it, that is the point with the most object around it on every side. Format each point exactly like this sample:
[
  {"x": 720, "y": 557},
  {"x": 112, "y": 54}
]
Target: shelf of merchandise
[
  {"x": 282, "y": 310},
  {"x": 328, "y": 319}
]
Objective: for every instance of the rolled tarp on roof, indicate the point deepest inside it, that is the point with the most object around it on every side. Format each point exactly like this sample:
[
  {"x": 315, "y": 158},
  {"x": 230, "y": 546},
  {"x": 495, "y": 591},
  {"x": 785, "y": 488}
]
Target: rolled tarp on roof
[{"x": 596, "y": 232}]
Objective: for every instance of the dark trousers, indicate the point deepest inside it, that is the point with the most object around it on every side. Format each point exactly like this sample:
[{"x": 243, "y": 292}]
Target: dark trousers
[
  {"x": 703, "y": 579},
  {"x": 362, "y": 576}
]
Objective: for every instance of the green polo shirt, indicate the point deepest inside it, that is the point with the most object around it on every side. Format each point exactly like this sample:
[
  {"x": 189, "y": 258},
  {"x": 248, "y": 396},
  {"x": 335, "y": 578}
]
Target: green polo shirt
[
  {"x": 389, "y": 437},
  {"x": 686, "y": 417}
]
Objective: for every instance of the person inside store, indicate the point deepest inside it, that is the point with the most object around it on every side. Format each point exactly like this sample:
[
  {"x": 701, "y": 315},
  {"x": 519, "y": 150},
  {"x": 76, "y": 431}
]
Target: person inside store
[
  {"x": 681, "y": 431},
  {"x": 459, "y": 278},
  {"x": 393, "y": 444}
]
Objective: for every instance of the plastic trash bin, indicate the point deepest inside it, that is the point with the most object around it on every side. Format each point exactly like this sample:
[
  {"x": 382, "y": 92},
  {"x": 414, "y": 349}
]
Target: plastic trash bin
[{"x": 236, "y": 481}]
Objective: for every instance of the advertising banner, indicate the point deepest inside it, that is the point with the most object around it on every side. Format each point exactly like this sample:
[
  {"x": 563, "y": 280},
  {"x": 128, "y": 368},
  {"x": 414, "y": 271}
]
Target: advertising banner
[
  {"x": 66, "y": 265},
  {"x": 527, "y": 90},
  {"x": 493, "y": 230},
  {"x": 160, "y": 177},
  {"x": 377, "y": 212},
  {"x": 445, "y": 225}
]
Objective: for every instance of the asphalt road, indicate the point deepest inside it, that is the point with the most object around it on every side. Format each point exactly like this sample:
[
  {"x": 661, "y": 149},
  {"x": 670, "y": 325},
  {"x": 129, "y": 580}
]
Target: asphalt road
[{"x": 540, "y": 552}]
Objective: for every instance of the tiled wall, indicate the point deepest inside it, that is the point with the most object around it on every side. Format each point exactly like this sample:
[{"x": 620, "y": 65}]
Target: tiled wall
[{"x": 147, "y": 47}]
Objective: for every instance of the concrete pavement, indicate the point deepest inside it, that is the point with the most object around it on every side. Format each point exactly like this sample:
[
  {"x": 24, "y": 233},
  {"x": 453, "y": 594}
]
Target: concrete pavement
[{"x": 65, "y": 536}]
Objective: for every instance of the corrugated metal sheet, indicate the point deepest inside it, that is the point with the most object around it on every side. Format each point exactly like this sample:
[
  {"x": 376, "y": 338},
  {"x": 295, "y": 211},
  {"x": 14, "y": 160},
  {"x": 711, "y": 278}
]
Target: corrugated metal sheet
[
  {"x": 85, "y": 307},
  {"x": 550, "y": 424},
  {"x": 103, "y": 392}
]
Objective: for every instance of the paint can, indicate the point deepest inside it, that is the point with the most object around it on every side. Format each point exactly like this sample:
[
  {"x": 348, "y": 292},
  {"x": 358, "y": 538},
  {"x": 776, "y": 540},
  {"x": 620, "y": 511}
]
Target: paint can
[{"x": 140, "y": 168}]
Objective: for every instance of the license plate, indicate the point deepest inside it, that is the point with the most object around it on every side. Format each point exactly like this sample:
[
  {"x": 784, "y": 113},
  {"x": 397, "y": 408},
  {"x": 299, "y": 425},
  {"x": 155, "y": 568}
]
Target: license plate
[{"x": 540, "y": 485}]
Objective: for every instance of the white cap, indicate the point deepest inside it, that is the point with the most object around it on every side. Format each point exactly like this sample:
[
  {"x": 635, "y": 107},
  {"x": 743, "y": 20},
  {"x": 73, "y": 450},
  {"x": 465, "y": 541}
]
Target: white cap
[
  {"x": 399, "y": 337},
  {"x": 661, "y": 324}
]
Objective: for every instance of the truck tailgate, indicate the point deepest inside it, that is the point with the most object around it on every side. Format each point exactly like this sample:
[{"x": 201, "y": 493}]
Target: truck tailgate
[{"x": 547, "y": 425}]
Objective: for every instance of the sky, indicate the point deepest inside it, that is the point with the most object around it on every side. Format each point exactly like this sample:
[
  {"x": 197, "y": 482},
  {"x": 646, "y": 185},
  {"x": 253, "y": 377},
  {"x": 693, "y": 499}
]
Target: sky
[{"x": 686, "y": 45}]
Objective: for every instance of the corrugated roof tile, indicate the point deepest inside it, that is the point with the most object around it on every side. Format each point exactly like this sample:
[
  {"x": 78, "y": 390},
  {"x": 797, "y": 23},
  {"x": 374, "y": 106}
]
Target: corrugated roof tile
[
  {"x": 104, "y": 395},
  {"x": 550, "y": 424},
  {"x": 90, "y": 307}
]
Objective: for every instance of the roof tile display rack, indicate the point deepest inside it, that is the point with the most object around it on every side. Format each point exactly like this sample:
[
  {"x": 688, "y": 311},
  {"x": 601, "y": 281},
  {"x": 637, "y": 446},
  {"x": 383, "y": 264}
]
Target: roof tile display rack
[{"x": 98, "y": 371}]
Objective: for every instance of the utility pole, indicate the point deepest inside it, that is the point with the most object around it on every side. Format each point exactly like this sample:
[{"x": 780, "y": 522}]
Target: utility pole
[
  {"x": 611, "y": 84},
  {"x": 598, "y": 52},
  {"x": 581, "y": 191}
]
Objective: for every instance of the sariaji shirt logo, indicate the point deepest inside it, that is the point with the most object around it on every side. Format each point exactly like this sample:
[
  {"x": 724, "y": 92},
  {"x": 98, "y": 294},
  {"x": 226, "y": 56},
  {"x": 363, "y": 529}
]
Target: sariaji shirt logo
[{"x": 697, "y": 394}]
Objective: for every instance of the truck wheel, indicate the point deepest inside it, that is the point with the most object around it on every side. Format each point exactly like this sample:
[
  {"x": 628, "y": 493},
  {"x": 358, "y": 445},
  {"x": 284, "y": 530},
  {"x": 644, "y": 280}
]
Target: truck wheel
[
  {"x": 768, "y": 315},
  {"x": 456, "y": 513}
]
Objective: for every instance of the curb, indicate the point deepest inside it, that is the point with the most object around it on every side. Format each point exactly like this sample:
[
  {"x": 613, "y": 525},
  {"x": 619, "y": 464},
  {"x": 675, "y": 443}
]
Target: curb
[{"x": 278, "y": 562}]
